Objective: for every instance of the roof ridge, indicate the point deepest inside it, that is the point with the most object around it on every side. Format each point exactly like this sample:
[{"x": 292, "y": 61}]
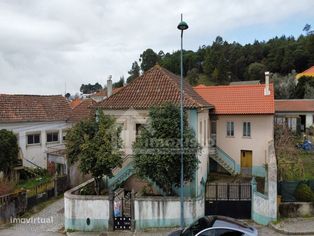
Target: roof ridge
[
  {"x": 202, "y": 86},
  {"x": 31, "y": 95},
  {"x": 165, "y": 71}
]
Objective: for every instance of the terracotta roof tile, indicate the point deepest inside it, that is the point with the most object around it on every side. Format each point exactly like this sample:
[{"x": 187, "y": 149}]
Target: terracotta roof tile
[
  {"x": 32, "y": 108},
  {"x": 308, "y": 72},
  {"x": 294, "y": 105},
  {"x": 153, "y": 88},
  {"x": 238, "y": 99},
  {"x": 103, "y": 92},
  {"x": 83, "y": 110},
  {"x": 75, "y": 102}
]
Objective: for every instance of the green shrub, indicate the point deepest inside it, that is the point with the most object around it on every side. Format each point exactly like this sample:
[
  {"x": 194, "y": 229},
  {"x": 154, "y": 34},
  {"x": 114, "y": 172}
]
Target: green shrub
[{"x": 304, "y": 193}]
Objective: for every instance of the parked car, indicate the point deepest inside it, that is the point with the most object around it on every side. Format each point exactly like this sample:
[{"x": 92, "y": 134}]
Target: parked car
[{"x": 216, "y": 226}]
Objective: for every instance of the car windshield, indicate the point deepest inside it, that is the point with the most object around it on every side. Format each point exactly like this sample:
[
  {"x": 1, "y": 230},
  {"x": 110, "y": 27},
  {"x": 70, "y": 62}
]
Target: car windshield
[{"x": 197, "y": 226}]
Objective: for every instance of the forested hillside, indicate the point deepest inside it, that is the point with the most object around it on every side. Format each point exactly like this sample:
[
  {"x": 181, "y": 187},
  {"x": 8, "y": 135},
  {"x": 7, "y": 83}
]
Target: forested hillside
[{"x": 223, "y": 62}]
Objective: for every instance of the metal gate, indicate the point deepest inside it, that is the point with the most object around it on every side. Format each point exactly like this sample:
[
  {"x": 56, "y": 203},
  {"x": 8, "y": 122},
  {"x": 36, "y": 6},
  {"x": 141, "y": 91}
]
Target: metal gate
[
  {"x": 122, "y": 210},
  {"x": 228, "y": 199}
]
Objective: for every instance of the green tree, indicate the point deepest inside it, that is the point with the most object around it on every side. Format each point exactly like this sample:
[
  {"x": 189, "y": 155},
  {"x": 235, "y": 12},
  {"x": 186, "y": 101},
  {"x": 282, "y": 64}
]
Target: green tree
[
  {"x": 134, "y": 72},
  {"x": 157, "y": 148},
  {"x": 303, "y": 87},
  {"x": 148, "y": 59},
  {"x": 193, "y": 76},
  {"x": 90, "y": 88},
  {"x": 8, "y": 151},
  {"x": 119, "y": 84},
  {"x": 284, "y": 86},
  {"x": 256, "y": 71},
  {"x": 95, "y": 144}
]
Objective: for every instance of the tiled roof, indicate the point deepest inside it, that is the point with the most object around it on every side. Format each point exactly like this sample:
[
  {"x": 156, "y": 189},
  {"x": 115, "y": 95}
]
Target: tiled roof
[
  {"x": 32, "y": 108},
  {"x": 238, "y": 99},
  {"x": 83, "y": 110},
  {"x": 294, "y": 105},
  {"x": 153, "y": 88},
  {"x": 75, "y": 102},
  {"x": 308, "y": 72},
  {"x": 103, "y": 92}
]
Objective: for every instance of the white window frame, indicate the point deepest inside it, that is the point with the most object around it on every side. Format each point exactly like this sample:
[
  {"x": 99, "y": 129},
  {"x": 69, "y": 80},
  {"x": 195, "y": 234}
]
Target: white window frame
[
  {"x": 33, "y": 133},
  {"x": 230, "y": 129},
  {"x": 52, "y": 132},
  {"x": 247, "y": 129}
]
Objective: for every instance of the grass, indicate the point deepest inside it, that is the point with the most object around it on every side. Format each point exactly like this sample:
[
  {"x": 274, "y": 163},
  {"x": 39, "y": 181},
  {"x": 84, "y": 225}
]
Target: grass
[
  {"x": 308, "y": 164},
  {"x": 31, "y": 183}
]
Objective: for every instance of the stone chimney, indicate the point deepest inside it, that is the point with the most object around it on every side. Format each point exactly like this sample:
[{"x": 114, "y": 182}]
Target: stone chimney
[
  {"x": 109, "y": 86},
  {"x": 266, "y": 89}
]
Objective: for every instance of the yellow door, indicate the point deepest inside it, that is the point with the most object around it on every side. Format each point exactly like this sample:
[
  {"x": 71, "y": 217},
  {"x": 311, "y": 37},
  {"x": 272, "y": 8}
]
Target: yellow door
[{"x": 246, "y": 162}]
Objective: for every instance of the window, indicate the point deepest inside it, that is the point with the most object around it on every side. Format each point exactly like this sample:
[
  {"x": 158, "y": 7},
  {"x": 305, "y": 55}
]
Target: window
[
  {"x": 247, "y": 129},
  {"x": 33, "y": 138},
  {"x": 64, "y": 134},
  {"x": 52, "y": 137},
  {"x": 230, "y": 128},
  {"x": 139, "y": 128}
]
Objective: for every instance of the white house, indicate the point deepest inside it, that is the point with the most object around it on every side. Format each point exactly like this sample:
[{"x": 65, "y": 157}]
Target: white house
[
  {"x": 296, "y": 114},
  {"x": 241, "y": 126},
  {"x": 40, "y": 124},
  {"x": 157, "y": 86}
]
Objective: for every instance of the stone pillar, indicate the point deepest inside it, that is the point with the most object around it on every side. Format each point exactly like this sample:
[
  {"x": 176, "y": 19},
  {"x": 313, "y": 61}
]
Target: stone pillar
[
  {"x": 111, "y": 219},
  {"x": 132, "y": 211}
]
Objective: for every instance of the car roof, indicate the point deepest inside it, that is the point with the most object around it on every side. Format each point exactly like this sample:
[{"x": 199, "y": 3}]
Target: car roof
[{"x": 222, "y": 221}]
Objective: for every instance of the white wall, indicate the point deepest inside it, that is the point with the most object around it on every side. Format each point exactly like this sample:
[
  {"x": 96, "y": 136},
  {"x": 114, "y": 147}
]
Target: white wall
[
  {"x": 165, "y": 211},
  {"x": 79, "y": 208},
  {"x": 128, "y": 118},
  {"x": 203, "y": 139},
  {"x": 36, "y": 153},
  {"x": 262, "y": 130},
  {"x": 264, "y": 206}
]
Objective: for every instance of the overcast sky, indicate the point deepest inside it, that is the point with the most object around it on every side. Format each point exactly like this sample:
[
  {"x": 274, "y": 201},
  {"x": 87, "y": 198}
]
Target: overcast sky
[{"x": 47, "y": 44}]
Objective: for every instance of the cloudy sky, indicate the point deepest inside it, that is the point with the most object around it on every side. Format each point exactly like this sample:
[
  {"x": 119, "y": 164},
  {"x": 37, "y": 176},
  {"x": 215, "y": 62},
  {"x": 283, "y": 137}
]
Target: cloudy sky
[{"x": 47, "y": 45}]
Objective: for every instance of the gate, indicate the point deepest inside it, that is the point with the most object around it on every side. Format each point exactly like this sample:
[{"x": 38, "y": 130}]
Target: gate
[
  {"x": 228, "y": 199},
  {"x": 122, "y": 210}
]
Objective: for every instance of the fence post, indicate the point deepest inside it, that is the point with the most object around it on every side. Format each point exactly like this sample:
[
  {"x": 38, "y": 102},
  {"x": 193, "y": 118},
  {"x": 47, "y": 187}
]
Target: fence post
[
  {"x": 254, "y": 189},
  {"x": 132, "y": 211}
]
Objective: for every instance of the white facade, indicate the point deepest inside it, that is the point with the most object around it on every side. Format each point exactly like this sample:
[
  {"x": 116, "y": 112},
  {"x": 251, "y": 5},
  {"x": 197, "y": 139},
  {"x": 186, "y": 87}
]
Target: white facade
[
  {"x": 36, "y": 153},
  {"x": 198, "y": 120}
]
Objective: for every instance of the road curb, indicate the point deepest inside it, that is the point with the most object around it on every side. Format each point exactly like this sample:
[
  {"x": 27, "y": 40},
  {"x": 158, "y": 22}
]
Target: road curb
[{"x": 282, "y": 231}]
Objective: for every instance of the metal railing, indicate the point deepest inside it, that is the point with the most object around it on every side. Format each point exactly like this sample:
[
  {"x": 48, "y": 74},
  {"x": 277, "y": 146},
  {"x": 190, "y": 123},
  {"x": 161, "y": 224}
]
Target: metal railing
[{"x": 226, "y": 158}]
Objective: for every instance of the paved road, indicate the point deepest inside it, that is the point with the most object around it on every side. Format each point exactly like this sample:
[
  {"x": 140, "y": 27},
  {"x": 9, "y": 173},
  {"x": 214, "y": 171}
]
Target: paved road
[{"x": 47, "y": 222}]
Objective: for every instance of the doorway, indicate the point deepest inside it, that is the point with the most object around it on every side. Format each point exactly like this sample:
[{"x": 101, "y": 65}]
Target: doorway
[{"x": 246, "y": 162}]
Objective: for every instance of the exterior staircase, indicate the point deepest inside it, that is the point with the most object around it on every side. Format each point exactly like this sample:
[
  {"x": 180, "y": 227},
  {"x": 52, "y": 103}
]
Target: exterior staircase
[
  {"x": 223, "y": 159},
  {"x": 121, "y": 174}
]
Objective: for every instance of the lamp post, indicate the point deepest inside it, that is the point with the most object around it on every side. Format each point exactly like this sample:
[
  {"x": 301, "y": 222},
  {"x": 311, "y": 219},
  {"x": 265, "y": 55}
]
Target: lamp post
[{"x": 182, "y": 26}]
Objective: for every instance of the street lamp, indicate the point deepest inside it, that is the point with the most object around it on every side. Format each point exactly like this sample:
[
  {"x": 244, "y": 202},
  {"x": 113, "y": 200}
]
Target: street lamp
[{"x": 182, "y": 26}]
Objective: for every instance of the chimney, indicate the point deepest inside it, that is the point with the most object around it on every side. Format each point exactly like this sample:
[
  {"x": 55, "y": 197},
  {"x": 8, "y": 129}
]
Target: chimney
[
  {"x": 266, "y": 89},
  {"x": 109, "y": 86}
]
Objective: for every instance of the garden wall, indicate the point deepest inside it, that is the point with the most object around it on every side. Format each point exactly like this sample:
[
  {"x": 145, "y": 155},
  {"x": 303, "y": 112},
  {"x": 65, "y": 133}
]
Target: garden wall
[
  {"x": 86, "y": 212},
  {"x": 264, "y": 206},
  {"x": 154, "y": 212}
]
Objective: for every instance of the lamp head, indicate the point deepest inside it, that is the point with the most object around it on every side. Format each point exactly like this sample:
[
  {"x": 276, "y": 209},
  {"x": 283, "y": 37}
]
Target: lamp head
[{"x": 183, "y": 25}]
